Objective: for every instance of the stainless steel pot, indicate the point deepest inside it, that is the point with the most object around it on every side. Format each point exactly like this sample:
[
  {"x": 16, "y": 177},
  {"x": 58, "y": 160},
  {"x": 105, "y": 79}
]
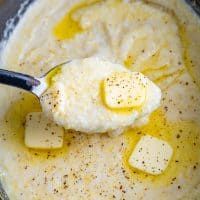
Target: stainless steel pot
[{"x": 9, "y": 13}]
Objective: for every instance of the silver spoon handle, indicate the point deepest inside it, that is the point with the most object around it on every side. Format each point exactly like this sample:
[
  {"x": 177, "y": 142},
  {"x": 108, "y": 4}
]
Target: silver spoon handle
[{"x": 19, "y": 80}]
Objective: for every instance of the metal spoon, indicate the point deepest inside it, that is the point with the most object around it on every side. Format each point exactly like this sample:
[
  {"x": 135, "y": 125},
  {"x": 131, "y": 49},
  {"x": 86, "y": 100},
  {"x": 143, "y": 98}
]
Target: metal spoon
[{"x": 37, "y": 86}]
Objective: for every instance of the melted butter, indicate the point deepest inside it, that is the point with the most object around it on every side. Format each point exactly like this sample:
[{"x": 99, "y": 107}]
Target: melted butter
[
  {"x": 182, "y": 136},
  {"x": 37, "y": 155},
  {"x": 14, "y": 124},
  {"x": 123, "y": 111},
  {"x": 50, "y": 76},
  {"x": 148, "y": 65},
  {"x": 16, "y": 114},
  {"x": 131, "y": 59},
  {"x": 153, "y": 60},
  {"x": 186, "y": 56},
  {"x": 129, "y": 62},
  {"x": 166, "y": 76},
  {"x": 68, "y": 28},
  {"x": 153, "y": 70}
]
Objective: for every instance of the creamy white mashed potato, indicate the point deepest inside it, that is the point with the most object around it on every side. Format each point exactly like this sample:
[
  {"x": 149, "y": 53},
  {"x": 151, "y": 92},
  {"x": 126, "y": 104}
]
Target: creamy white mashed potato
[
  {"x": 75, "y": 99},
  {"x": 161, "y": 40}
]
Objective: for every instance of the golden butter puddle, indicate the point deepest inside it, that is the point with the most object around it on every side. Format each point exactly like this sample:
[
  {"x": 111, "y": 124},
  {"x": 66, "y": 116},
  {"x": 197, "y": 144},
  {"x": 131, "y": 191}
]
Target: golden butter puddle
[
  {"x": 14, "y": 122},
  {"x": 50, "y": 76},
  {"x": 187, "y": 60},
  {"x": 68, "y": 28},
  {"x": 184, "y": 137}
]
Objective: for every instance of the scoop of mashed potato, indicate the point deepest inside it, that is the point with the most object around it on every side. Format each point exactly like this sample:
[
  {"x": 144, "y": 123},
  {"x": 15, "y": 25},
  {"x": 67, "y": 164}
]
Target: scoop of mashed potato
[{"x": 75, "y": 99}]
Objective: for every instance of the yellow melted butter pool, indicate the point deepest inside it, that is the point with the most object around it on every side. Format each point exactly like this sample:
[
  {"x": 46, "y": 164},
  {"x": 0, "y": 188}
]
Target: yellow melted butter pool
[
  {"x": 68, "y": 27},
  {"x": 183, "y": 136},
  {"x": 50, "y": 76},
  {"x": 14, "y": 125}
]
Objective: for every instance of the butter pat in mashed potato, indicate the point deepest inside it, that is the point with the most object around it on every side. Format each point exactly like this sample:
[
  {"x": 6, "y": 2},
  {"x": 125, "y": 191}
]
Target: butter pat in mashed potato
[
  {"x": 151, "y": 155},
  {"x": 41, "y": 133},
  {"x": 75, "y": 99}
]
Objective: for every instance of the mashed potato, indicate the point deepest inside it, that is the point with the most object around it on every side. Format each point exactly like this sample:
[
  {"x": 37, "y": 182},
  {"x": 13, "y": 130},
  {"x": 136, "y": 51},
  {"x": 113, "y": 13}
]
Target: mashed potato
[{"x": 75, "y": 98}]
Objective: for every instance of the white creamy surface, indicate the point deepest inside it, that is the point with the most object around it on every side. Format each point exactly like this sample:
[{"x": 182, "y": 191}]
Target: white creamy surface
[
  {"x": 75, "y": 98},
  {"x": 91, "y": 167}
]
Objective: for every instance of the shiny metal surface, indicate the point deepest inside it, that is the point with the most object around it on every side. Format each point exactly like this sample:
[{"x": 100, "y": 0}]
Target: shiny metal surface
[
  {"x": 9, "y": 13},
  {"x": 3, "y": 195},
  {"x": 195, "y": 4},
  {"x": 9, "y": 10}
]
